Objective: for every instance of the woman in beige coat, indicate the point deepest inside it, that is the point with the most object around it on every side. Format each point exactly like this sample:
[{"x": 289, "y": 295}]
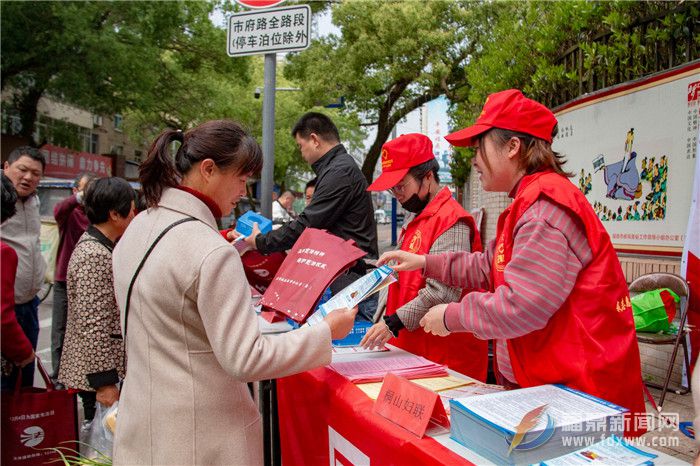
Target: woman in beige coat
[{"x": 192, "y": 339}]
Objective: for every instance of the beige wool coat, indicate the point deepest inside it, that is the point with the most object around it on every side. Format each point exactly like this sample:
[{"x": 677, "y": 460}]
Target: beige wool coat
[{"x": 193, "y": 342}]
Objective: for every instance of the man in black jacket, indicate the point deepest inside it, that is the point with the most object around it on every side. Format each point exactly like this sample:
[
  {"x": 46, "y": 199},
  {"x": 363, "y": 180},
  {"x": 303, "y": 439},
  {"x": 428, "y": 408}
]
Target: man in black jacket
[{"x": 340, "y": 203}]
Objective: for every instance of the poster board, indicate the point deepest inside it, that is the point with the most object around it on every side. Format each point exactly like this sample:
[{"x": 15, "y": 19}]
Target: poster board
[{"x": 632, "y": 150}]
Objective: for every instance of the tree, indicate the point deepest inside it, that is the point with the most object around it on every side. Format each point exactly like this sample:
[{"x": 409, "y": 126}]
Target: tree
[
  {"x": 555, "y": 51},
  {"x": 390, "y": 58},
  {"x": 109, "y": 57}
]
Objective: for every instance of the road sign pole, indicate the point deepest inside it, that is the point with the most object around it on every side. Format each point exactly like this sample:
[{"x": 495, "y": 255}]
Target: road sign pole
[{"x": 268, "y": 134}]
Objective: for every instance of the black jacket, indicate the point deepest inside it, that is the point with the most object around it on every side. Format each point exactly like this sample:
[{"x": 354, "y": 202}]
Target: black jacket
[{"x": 340, "y": 204}]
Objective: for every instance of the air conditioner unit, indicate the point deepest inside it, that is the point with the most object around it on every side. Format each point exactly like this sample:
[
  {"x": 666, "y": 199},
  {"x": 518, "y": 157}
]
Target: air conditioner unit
[{"x": 97, "y": 120}]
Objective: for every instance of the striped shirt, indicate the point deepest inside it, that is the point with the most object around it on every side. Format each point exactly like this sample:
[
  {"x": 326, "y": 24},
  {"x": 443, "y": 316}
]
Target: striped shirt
[{"x": 550, "y": 249}]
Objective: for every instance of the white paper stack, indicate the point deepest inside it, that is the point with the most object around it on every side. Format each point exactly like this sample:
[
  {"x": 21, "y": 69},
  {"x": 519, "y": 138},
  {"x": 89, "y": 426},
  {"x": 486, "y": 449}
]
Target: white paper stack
[
  {"x": 533, "y": 424},
  {"x": 374, "y": 370}
]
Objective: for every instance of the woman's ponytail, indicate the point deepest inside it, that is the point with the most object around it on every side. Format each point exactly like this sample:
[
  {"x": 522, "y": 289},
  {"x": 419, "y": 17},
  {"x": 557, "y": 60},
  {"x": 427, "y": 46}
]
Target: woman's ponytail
[{"x": 158, "y": 170}]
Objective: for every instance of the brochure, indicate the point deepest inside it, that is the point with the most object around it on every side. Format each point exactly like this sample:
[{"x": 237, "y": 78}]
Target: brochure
[
  {"x": 533, "y": 424},
  {"x": 613, "y": 451},
  {"x": 357, "y": 291}
]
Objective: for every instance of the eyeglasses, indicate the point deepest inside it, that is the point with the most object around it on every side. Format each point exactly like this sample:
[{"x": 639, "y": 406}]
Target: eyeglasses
[{"x": 401, "y": 187}]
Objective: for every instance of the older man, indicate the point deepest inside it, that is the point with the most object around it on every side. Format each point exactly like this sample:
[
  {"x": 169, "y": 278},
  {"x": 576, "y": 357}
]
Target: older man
[{"x": 25, "y": 167}]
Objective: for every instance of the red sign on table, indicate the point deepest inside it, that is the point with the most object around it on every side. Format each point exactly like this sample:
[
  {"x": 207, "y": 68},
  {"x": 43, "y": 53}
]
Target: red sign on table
[{"x": 409, "y": 405}]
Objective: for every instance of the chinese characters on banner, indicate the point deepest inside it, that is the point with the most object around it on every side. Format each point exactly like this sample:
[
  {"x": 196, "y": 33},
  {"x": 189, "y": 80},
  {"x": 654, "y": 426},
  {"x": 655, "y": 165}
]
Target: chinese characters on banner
[
  {"x": 66, "y": 163},
  {"x": 693, "y": 112},
  {"x": 278, "y": 30}
]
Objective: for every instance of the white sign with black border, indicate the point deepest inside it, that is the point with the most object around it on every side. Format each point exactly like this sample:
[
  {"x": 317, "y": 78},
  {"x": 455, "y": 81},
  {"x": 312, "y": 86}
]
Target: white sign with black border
[{"x": 285, "y": 29}]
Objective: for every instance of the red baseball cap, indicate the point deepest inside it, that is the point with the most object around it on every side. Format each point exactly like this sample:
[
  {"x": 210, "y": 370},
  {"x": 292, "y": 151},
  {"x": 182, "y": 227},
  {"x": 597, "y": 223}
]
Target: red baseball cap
[
  {"x": 508, "y": 110},
  {"x": 399, "y": 155}
]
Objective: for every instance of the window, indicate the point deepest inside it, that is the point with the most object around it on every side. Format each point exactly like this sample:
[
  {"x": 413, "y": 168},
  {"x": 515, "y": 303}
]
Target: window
[
  {"x": 118, "y": 123},
  {"x": 95, "y": 143}
]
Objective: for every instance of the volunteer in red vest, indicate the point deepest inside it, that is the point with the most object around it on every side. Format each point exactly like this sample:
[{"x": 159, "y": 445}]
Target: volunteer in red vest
[
  {"x": 557, "y": 305},
  {"x": 439, "y": 224}
]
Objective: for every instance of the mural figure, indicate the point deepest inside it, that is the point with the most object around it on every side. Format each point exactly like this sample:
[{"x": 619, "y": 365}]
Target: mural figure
[
  {"x": 624, "y": 183},
  {"x": 622, "y": 177}
]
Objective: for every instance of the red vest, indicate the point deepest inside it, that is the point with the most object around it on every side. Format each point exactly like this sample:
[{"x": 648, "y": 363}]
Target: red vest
[
  {"x": 461, "y": 352},
  {"x": 589, "y": 344}
]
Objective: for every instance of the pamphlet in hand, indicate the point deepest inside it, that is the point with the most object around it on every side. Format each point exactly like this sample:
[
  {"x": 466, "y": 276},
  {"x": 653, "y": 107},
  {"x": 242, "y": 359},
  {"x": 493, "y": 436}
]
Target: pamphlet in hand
[{"x": 357, "y": 291}]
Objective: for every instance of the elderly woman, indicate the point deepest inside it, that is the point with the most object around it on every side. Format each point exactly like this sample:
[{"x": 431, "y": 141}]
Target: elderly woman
[
  {"x": 557, "y": 303},
  {"x": 93, "y": 353},
  {"x": 192, "y": 337}
]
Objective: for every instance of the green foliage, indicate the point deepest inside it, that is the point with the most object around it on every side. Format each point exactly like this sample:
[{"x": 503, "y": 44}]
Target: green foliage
[
  {"x": 528, "y": 43},
  {"x": 461, "y": 165},
  {"x": 110, "y": 57},
  {"x": 390, "y": 58}
]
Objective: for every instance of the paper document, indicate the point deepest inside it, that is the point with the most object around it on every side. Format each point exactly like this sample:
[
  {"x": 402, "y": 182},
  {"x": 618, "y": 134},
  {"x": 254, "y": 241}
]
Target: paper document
[
  {"x": 564, "y": 406},
  {"x": 374, "y": 370},
  {"x": 351, "y": 295},
  {"x": 434, "y": 384},
  {"x": 356, "y": 349},
  {"x": 241, "y": 246},
  {"x": 613, "y": 451}
]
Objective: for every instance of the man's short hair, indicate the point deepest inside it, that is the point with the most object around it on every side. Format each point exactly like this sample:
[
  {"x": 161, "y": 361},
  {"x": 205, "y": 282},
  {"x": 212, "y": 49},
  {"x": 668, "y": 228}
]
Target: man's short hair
[
  {"x": 286, "y": 194},
  {"x": 317, "y": 123},
  {"x": 31, "y": 152},
  {"x": 311, "y": 183},
  {"x": 419, "y": 171},
  {"x": 8, "y": 207},
  {"x": 106, "y": 194}
]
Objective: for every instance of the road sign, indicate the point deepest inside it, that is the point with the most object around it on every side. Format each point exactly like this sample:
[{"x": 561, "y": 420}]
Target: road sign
[
  {"x": 284, "y": 29},
  {"x": 259, "y": 3}
]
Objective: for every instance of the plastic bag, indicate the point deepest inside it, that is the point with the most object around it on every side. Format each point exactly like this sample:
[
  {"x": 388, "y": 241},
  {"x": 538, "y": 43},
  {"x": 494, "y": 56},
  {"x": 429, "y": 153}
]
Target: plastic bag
[
  {"x": 102, "y": 431},
  {"x": 654, "y": 310}
]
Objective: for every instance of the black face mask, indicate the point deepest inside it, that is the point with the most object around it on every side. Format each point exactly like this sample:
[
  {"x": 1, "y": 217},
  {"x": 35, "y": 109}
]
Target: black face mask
[{"x": 414, "y": 203}]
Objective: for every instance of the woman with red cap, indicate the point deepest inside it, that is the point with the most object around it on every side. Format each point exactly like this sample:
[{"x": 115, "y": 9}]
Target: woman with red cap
[
  {"x": 557, "y": 302},
  {"x": 439, "y": 224}
]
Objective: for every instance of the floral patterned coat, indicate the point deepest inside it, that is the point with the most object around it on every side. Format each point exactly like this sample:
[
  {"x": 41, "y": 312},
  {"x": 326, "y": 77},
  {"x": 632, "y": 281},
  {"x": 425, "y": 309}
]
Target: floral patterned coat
[{"x": 93, "y": 351}]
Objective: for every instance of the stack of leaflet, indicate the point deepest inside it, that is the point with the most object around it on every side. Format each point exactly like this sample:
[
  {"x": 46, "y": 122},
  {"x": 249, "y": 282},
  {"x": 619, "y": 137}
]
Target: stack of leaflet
[
  {"x": 533, "y": 424},
  {"x": 374, "y": 370},
  {"x": 613, "y": 451}
]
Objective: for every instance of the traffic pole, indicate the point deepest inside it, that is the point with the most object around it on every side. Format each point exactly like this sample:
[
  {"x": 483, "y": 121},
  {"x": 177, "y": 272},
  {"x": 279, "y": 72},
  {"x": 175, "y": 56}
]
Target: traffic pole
[{"x": 268, "y": 135}]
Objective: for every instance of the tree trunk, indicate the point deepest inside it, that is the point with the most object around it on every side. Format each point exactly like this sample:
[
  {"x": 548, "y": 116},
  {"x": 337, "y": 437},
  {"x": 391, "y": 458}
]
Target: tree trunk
[{"x": 27, "y": 106}]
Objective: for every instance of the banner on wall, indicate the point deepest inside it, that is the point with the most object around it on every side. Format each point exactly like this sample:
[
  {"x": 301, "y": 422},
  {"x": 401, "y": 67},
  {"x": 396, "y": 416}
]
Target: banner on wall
[
  {"x": 632, "y": 150},
  {"x": 66, "y": 163}
]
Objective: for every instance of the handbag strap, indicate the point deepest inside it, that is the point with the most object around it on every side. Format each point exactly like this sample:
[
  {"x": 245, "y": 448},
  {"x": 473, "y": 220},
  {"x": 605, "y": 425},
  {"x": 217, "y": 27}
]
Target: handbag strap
[
  {"x": 138, "y": 269},
  {"x": 44, "y": 375}
]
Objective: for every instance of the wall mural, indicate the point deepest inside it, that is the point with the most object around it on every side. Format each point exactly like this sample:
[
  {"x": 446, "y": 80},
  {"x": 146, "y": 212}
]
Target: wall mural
[{"x": 643, "y": 188}]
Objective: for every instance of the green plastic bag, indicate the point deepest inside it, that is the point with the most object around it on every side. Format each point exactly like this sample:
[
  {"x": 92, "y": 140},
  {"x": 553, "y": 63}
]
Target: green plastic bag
[{"x": 654, "y": 310}]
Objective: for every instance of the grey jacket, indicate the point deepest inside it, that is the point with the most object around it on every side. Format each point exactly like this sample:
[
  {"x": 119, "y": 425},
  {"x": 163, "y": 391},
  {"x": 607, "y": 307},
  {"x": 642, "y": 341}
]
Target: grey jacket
[{"x": 22, "y": 233}]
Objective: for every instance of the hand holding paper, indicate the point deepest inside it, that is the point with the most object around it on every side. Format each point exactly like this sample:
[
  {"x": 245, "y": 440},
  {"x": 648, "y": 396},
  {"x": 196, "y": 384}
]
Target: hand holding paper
[
  {"x": 402, "y": 261},
  {"x": 341, "y": 321}
]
